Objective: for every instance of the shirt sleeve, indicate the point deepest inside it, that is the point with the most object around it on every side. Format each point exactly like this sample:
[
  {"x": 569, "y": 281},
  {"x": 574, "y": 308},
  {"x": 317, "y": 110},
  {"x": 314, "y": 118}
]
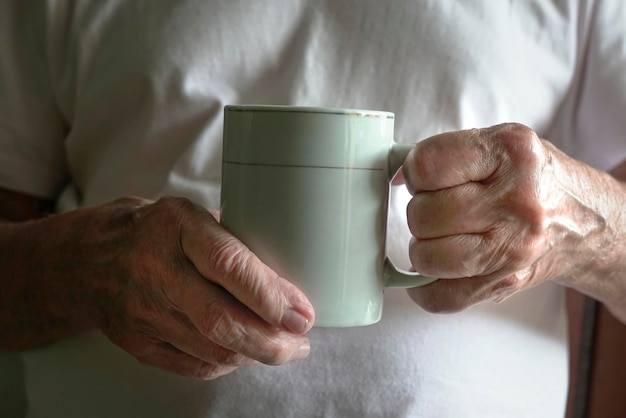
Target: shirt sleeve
[
  {"x": 32, "y": 131},
  {"x": 599, "y": 122}
]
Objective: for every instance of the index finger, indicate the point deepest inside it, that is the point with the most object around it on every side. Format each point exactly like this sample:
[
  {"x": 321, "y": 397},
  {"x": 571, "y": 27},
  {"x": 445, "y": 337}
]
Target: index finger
[{"x": 454, "y": 158}]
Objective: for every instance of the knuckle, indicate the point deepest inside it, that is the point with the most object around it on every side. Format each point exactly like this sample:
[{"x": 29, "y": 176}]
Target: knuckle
[
  {"x": 229, "y": 256},
  {"x": 276, "y": 354},
  {"x": 511, "y": 284},
  {"x": 508, "y": 285},
  {"x": 533, "y": 218},
  {"x": 523, "y": 144},
  {"x": 218, "y": 325},
  {"x": 227, "y": 332},
  {"x": 225, "y": 357},
  {"x": 172, "y": 202},
  {"x": 516, "y": 257},
  {"x": 161, "y": 212},
  {"x": 125, "y": 201},
  {"x": 522, "y": 247},
  {"x": 520, "y": 130},
  {"x": 176, "y": 210},
  {"x": 207, "y": 371},
  {"x": 469, "y": 267}
]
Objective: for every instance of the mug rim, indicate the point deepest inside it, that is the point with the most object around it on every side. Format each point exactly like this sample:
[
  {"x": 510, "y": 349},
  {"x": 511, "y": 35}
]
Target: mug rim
[{"x": 310, "y": 109}]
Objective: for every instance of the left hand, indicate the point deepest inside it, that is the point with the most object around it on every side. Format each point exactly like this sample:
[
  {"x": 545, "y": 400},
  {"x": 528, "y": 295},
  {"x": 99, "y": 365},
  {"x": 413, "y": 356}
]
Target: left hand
[{"x": 489, "y": 215}]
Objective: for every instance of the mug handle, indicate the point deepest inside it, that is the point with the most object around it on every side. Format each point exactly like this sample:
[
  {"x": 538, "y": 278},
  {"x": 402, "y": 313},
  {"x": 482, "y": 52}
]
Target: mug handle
[{"x": 392, "y": 277}]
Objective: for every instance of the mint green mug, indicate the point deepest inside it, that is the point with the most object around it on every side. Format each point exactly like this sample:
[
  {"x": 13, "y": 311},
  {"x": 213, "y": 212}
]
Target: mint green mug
[{"x": 306, "y": 189}]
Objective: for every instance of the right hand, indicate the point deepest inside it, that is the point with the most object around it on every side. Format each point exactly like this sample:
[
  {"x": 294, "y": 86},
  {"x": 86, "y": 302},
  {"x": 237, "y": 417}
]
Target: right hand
[{"x": 177, "y": 291}]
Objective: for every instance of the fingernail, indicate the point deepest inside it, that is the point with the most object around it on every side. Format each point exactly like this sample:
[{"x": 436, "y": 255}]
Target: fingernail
[
  {"x": 295, "y": 322},
  {"x": 303, "y": 351}
]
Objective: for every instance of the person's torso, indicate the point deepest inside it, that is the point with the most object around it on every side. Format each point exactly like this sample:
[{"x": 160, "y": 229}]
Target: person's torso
[{"x": 142, "y": 85}]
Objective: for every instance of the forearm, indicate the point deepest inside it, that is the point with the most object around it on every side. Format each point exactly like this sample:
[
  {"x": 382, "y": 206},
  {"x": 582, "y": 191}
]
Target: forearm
[
  {"x": 44, "y": 272},
  {"x": 595, "y": 230}
]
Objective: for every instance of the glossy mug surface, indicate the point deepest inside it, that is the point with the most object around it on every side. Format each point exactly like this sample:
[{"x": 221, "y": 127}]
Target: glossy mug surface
[{"x": 307, "y": 189}]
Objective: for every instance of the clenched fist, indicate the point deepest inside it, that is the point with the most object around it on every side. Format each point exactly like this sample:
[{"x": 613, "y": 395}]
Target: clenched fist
[{"x": 498, "y": 210}]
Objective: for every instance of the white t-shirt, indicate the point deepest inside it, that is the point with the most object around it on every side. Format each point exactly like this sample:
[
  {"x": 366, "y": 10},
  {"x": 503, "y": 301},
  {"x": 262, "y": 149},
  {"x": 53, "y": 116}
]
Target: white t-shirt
[{"x": 100, "y": 99}]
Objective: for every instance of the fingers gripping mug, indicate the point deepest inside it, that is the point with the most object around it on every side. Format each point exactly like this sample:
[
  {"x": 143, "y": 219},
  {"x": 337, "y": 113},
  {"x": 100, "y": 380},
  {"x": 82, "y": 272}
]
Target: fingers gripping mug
[{"x": 306, "y": 189}]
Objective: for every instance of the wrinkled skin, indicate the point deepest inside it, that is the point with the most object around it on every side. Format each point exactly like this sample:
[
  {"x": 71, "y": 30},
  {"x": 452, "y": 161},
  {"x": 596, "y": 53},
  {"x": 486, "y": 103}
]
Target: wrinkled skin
[
  {"x": 498, "y": 210},
  {"x": 494, "y": 211},
  {"x": 163, "y": 280}
]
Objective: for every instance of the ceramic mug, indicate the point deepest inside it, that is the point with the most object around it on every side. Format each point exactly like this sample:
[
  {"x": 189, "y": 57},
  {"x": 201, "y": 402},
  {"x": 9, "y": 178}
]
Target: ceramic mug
[{"x": 306, "y": 189}]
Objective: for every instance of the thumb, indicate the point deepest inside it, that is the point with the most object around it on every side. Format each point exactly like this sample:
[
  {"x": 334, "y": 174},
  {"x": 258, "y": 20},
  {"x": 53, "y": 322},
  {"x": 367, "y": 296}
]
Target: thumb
[{"x": 224, "y": 260}]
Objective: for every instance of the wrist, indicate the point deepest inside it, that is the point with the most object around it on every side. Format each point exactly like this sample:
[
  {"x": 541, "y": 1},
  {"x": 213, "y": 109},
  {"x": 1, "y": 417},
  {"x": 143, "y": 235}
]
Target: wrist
[
  {"x": 57, "y": 277},
  {"x": 587, "y": 229}
]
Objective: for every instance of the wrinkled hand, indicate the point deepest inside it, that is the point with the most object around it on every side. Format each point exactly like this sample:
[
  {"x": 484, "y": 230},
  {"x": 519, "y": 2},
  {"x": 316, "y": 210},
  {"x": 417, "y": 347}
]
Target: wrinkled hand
[
  {"x": 488, "y": 215},
  {"x": 180, "y": 293}
]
